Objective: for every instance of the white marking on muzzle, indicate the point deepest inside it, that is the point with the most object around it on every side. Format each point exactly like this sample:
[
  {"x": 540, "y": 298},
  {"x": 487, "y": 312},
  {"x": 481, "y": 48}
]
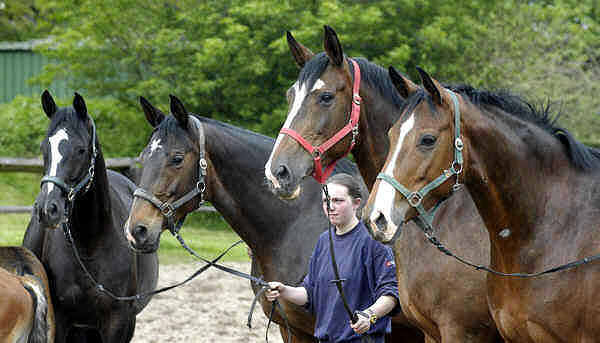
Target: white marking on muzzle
[
  {"x": 300, "y": 93},
  {"x": 55, "y": 155},
  {"x": 386, "y": 193}
]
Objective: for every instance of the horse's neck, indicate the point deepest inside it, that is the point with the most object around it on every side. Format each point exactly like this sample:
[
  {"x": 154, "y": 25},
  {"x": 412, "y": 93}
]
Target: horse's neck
[
  {"x": 512, "y": 175},
  {"x": 238, "y": 190},
  {"x": 377, "y": 115},
  {"x": 91, "y": 211}
]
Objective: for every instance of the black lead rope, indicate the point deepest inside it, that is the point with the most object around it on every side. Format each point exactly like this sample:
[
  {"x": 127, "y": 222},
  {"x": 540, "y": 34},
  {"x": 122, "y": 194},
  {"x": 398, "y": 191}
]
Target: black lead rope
[
  {"x": 258, "y": 281},
  {"x": 433, "y": 240},
  {"x": 138, "y": 296}
]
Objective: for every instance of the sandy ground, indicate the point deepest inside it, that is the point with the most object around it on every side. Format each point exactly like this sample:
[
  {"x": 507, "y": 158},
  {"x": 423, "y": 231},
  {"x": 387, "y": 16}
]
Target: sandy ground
[{"x": 211, "y": 308}]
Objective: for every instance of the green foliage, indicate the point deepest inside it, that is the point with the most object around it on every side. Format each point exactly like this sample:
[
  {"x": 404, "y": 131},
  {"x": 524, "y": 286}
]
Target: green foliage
[
  {"x": 229, "y": 59},
  {"x": 22, "y": 20}
]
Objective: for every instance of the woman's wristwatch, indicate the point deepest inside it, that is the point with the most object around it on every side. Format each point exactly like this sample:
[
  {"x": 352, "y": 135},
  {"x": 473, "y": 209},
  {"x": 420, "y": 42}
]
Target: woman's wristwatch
[{"x": 372, "y": 316}]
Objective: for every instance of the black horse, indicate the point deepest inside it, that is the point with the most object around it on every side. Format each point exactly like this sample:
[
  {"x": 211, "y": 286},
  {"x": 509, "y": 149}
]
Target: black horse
[
  {"x": 79, "y": 193},
  {"x": 281, "y": 234}
]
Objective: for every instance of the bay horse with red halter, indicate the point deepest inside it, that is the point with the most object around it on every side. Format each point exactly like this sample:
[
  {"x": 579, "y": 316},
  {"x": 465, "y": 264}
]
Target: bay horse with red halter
[
  {"x": 82, "y": 208},
  {"x": 443, "y": 298},
  {"x": 280, "y": 234},
  {"x": 536, "y": 187},
  {"x": 26, "y": 311}
]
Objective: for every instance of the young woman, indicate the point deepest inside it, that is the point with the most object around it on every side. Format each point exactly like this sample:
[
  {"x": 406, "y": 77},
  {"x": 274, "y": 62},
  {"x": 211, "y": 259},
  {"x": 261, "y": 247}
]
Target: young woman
[{"x": 367, "y": 265}]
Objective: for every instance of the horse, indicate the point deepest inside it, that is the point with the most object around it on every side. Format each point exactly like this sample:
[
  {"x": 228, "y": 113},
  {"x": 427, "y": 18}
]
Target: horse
[
  {"x": 281, "y": 235},
  {"x": 26, "y": 311},
  {"x": 536, "y": 187},
  {"x": 441, "y": 297},
  {"x": 90, "y": 204}
]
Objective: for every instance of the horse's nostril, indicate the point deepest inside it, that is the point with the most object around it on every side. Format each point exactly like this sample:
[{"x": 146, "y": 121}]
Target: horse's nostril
[
  {"x": 282, "y": 172},
  {"x": 381, "y": 223},
  {"x": 140, "y": 232},
  {"x": 53, "y": 209}
]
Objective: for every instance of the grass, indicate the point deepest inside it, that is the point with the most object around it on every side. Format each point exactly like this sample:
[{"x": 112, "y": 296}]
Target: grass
[{"x": 207, "y": 233}]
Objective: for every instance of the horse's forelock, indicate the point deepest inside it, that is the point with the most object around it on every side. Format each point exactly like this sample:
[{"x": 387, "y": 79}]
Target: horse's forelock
[{"x": 67, "y": 118}]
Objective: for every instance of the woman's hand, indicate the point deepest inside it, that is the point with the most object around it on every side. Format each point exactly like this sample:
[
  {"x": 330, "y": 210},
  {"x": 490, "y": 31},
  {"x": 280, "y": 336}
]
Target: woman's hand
[
  {"x": 274, "y": 291},
  {"x": 362, "y": 325}
]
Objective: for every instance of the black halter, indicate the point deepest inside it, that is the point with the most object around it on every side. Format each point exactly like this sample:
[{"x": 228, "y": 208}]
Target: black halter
[
  {"x": 168, "y": 209},
  {"x": 85, "y": 182}
]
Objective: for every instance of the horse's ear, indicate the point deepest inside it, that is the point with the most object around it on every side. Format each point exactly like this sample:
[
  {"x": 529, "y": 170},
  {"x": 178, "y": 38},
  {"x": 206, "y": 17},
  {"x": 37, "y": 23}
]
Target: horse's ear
[
  {"x": 431, "y": 86},
  {"x": 403, "y": 85},
  {"x": 79, "y": 106},
  {"x": 179, "y": 111},
  {"x": 48, "y": 104},
  {"x": 333, "y": 48},
  {"x": 153, "y": 114},
  {"x": 300, "y": 53}
]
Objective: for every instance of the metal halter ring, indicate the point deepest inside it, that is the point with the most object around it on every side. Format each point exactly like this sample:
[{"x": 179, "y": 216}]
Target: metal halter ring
[
  {"x": 71, "y": 194},
  {"x": 203, "y": 163},
  {"x": 356, "y": 99},
  {"x": 414, "y": 199},
  {"x": 167, "y": 210},
  {"x": 457, "y": 170},
  {"x": 201, "y": 186},
  {"x": 458, "y": 144},
  {"x": 317, "y": 154}
]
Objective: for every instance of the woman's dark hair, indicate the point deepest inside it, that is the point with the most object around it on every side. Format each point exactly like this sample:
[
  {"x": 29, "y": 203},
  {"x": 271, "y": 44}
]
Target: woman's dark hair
[{"x": 356, "y": 188}]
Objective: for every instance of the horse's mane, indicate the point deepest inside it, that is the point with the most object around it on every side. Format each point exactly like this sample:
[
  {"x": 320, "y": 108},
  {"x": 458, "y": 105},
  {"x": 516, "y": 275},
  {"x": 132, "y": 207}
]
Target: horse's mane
[
  {"x": 580, "y": 155},
  {"x": 374, "y": 75},
  {"x": 169, "y": 125}
]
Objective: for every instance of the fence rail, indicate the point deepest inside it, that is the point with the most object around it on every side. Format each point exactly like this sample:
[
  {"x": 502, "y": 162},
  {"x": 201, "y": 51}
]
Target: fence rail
[
  {"x": 36, "y": 165},
  {"x": 125, "y": 165}
]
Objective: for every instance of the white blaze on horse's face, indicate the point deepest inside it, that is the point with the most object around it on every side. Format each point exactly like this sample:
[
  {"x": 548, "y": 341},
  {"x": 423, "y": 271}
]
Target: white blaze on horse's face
[
  {"x": 300, "y": 93},
  {"x": 55, "y": 155},
  {"x": 155, "y": 145},
  {"x": 386, "y": 194}
]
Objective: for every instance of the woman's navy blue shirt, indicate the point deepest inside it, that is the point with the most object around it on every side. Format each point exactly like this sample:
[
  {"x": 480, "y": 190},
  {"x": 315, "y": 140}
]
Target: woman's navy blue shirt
[{"x": 369, "y": 269}]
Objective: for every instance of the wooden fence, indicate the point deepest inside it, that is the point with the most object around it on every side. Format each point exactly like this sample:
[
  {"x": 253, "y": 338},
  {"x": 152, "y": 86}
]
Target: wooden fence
[{"x": 124, "y": 165}]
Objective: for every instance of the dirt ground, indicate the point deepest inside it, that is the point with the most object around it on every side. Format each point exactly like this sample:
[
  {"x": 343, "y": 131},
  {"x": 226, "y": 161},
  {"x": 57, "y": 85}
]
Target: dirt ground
[{"x": 211, "y": 308}]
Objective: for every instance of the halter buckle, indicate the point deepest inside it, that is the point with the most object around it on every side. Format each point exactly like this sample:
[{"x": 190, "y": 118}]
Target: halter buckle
[
  {"x": 456, "y": 170},
  {"x": 414, "y": 199},
  {"x": 356, "y": 99},
  {"x": 201, "y": 186},
  {"x": 167, "y": 209},
  {"x": 317, "y": 154},
  {"x": 203, "y": 163},
  {"x": 458, "y": 144},
  {"x": 71, "y": 194}
]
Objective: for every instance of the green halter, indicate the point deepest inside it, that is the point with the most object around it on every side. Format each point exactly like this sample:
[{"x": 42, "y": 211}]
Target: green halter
[{"x": 415, "y": 199}]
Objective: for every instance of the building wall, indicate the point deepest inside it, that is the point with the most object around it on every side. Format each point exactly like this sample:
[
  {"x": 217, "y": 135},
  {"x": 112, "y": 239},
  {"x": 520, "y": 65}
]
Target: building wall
[{"x": 17, "y": 67}]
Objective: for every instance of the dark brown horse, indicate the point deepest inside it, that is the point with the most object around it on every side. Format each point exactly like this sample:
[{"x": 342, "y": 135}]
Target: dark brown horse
[
  {"x": 536, "y": 187},
  {"x": 443, "y": 298},
  {"x": 281, "y": 234},
  {"x": 26, "y": 311},
  {"x": 78, "y": 192}
]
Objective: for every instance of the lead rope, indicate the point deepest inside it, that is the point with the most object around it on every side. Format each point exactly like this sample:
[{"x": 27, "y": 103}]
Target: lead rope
[
  {"x": 258, "y": 281},
  {"x": 338, "y": 280}
]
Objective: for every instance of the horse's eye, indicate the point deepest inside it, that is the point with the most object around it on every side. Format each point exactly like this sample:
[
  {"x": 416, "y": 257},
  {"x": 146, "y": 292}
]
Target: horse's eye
[
  {"x": 326, "y": 98},
  {"x": 176, "y": 160},
  {"x": 427, "y": 140}
]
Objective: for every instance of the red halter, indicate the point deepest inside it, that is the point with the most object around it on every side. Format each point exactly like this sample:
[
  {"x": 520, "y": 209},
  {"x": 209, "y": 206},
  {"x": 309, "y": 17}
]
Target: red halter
[{"x": 319, "y": 174}]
